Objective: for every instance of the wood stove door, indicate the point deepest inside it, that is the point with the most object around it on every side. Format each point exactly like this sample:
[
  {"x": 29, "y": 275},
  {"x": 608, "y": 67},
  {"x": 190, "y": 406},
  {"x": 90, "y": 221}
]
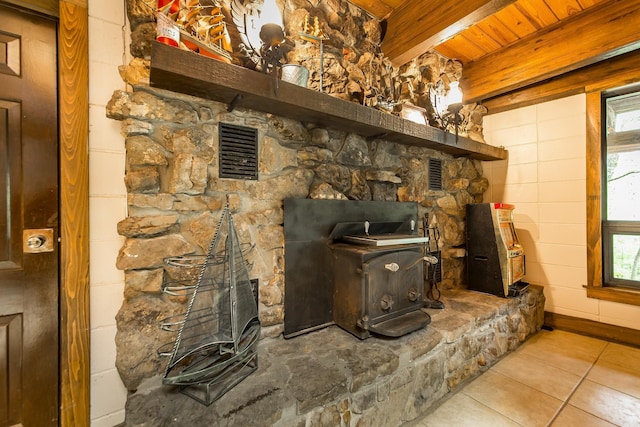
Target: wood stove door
[{"x": 394, "y": 284}]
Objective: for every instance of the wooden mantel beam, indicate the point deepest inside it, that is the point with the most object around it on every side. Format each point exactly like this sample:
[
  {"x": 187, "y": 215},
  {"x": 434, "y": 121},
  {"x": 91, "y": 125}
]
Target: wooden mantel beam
[
  {"x": 601, "y": 32},
  {"x": 418, "y": 26}
]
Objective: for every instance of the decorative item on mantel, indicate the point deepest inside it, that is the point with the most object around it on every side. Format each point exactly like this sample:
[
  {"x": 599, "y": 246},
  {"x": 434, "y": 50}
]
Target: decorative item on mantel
[
  {"x": 216, "y": 344},
  {"x": 411, "y": 112},
  {"x": 295, "y": 73},
  {"x": 447, "y": 104},
  {"x": 194, "y": 26},
  {"x": 167, "y": 30},
  {"x": 314, "y": 34},
  {"x": 261, "y": 30}
]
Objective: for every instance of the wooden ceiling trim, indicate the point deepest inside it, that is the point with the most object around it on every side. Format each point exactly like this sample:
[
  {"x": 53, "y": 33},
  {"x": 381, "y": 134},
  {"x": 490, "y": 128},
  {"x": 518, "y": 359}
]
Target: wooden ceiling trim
[
  {"x": 606, "y": 30},
  {"x": 414, "y": 28}
]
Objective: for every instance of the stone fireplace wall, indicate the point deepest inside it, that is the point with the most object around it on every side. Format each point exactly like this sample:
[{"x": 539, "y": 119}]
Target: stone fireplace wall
[{"x": 175, "y": 195}]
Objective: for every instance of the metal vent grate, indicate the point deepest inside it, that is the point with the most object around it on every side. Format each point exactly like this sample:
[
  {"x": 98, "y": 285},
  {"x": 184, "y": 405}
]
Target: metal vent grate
[
  {"x": 435, "y": 271},
  {"x": 435, "y": 174},
  {"x": 238, "y": 151}
]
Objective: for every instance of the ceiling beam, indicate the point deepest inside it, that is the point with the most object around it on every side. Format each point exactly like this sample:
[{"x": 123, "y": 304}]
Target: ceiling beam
[
  {"x": 604, "y": 31},
  {"x": 416, "y": 27},
  {"x": 619, "y": 71}
]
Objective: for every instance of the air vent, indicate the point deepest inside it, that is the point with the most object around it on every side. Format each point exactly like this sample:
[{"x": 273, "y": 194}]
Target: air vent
[
  {"x": 435, "y": 174},
  {"x": 238, "y": 151}
]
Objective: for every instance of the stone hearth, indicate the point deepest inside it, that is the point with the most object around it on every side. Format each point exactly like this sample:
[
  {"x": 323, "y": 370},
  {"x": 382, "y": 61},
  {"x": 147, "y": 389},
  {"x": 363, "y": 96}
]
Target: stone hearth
[{"x": 330, "y": 378}]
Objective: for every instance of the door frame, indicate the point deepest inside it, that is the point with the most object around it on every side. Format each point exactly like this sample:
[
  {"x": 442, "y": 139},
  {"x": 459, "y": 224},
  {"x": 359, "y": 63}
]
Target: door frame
[
  {"x": 73, "y": 123},
  {"x": 73, "y": 103}
]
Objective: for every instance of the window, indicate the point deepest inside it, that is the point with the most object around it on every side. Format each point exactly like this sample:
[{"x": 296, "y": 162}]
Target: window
[{"x": 621, "y": 189}]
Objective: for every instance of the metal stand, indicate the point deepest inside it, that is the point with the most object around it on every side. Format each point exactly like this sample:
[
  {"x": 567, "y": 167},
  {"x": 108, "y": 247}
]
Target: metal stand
[
  {"x": 318, "y": 40},
  {"x": 216, "y": 344},
  {"x": 432, "y": 295}
]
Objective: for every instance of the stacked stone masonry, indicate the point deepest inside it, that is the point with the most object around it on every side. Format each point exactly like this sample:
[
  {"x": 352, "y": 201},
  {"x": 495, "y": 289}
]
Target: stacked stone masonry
[
  {"x": 330, "y": 378},
  {"x": 175, "y": 198}
]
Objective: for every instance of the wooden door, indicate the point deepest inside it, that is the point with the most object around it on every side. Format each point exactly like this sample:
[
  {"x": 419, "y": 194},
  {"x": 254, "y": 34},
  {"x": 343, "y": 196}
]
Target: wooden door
[{"x": 28, "y": 220}]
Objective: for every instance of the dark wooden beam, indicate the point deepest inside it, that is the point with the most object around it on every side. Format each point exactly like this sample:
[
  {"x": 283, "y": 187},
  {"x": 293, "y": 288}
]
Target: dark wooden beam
[
  {"x": 619, "y": 71},
  {"x": 192, "y": 74},
  {"x": 601, "y": 32},
  {"x": 417, "y": 26}
]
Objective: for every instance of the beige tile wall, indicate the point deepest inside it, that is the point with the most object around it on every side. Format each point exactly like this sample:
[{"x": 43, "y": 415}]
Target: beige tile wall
[
  {"x": 545, "y": 177},
  {"x": 107, "y": 203}
]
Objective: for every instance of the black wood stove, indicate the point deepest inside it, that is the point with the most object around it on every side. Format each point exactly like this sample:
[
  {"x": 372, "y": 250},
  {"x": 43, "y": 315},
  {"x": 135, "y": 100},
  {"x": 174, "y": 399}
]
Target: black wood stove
[
  {"x": 366, "y": 276},
  {"x": 378, "y": 278}
]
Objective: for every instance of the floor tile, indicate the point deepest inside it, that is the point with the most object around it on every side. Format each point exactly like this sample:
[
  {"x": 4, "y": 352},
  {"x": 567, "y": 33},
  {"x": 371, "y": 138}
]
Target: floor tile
[
  {"x": 620, "y": 378},
  {"x": 517, "y": 401},
  {"x": 463, "y": 411},
  {"x": 537, "y": 374},
  {"x": 622, "y": 355},
  {"x": 604, "y": 402},
  {"x": 570, "y": 416},
  {"x": 570, "y": 352},
  {"x": 581, "y": 343},
  {"x": 530, "y": 387}
]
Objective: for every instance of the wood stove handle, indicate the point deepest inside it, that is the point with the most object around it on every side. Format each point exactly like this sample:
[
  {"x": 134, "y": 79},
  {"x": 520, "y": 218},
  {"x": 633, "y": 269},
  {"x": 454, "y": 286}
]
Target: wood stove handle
[{"x": 392, "y": 266}]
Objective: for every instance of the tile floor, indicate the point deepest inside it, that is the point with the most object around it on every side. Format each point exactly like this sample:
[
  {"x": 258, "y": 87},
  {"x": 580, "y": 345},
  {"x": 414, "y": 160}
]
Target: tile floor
[{"x": 554, "y": 379}]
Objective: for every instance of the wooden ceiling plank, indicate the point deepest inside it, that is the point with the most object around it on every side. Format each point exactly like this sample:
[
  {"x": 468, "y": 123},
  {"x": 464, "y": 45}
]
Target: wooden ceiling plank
[
  {"x": 449, "y": 51},
  {"x": 379, "y": 9},
  {"x": 462, "y": 44},
  {"x": 537, "y": 12},
  {"x": 512, "y": 18},
  {"x": 564, "y": 8},
  {"x": 601, "y": 32},
  {"x": 481, "y": 39},
  {"x": 588, "y": 3},
  {"x": 415, "y": 27},
  {"x": 497, "y": 30}
]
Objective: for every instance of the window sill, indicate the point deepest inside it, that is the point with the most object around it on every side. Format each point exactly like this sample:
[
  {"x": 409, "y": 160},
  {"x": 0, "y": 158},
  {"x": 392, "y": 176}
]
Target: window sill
[{"x": 615, "y": 294}]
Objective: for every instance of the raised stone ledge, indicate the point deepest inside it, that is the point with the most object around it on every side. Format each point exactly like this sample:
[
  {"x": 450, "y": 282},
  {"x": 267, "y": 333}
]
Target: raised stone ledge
[{"x": 330, "y": 378}]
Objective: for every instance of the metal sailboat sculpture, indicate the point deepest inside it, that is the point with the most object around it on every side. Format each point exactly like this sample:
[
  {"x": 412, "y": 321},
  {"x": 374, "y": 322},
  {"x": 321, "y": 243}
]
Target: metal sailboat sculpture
[{"x": 216, "y": 344}]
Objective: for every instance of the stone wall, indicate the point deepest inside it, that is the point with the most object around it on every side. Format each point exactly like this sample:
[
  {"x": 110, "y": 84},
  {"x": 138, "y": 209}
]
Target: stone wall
[
  {"x": 175, "y": 195},
  {"x": 175, "y": 200}
]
